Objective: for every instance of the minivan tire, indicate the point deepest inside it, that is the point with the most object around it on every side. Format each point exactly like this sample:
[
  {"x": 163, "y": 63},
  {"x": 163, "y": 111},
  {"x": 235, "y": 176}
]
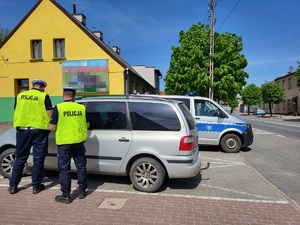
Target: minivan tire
[
  {"x": 231, "y": 143},
  {"x": 7, "y": 159},
  {"x": 147, "y": 174}
]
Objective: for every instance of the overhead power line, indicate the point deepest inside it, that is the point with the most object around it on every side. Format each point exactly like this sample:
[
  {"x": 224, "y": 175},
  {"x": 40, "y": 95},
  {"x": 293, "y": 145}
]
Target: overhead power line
[{"x": 229, "y": 14}]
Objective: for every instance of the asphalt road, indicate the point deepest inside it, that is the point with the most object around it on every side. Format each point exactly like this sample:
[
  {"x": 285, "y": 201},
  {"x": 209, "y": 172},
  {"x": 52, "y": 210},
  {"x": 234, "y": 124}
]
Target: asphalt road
[
  {"x": 288, "y": 128},
  {"x": 275, "y": 153}
]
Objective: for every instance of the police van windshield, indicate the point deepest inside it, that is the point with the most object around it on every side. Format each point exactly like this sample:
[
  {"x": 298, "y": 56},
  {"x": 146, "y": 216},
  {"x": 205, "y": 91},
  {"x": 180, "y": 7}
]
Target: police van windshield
[{"x": 205, "y": 108}]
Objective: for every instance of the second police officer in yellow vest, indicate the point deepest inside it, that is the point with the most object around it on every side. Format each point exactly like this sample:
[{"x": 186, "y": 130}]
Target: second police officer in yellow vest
[{"x": 69, "y": 121}]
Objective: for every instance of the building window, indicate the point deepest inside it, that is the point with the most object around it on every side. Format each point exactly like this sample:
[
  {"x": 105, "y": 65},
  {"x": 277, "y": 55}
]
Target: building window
[
  {"x": 36, "y": 49},
  {"x": 283, "y": 82},
  {"x": 59, "y": 48},
  {"x": 21, "y": 85},
  {"x": 283, "y": 107},
  {"x": 290, "y": 83}
]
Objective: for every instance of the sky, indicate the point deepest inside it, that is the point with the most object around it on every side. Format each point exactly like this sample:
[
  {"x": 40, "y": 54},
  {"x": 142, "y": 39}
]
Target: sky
[{"x": 145, "y": 31}]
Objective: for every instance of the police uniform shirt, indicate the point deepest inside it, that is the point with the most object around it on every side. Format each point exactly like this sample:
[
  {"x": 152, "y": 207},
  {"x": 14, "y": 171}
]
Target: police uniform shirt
[{"x": 54, "y": 118}]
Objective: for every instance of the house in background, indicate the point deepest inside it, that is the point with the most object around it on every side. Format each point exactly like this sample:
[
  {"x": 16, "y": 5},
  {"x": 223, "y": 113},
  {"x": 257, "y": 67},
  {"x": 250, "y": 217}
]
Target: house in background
[
  {"x": 151, "y": 74},
  {"x": 50, "y": 43},
  {"x": 291, "y": 103}
]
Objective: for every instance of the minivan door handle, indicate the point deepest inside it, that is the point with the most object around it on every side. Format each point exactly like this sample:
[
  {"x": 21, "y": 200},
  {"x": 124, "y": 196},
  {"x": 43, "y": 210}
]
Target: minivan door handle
[{"x": 123, "y": 139}]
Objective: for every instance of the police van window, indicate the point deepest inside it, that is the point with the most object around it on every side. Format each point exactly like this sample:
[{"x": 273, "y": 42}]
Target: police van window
[
  {"x": 150, "y": 116},
  {"x": 205, "y": 108},
  {"x": 107, "y": 115}
]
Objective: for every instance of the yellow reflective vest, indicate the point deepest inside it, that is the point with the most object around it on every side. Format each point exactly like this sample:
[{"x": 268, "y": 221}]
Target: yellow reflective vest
[
  {"x": 30, "y": 110},
  {"x": 71, "y": 126}
]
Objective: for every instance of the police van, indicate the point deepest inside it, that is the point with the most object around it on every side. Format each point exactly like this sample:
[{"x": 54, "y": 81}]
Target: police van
[{"x": 215, "y": 125}]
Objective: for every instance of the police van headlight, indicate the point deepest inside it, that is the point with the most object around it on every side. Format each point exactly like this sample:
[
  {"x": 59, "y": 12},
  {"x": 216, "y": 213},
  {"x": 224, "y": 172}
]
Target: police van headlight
[{"x": 248, "y": 125}]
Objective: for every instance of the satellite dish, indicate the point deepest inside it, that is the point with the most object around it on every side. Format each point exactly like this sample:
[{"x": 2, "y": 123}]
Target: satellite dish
[{"x": 291, "y": 69}]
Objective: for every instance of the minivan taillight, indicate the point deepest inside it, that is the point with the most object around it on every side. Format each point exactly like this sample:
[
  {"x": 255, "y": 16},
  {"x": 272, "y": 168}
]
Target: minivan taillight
[{"x": 187, "y": 143}]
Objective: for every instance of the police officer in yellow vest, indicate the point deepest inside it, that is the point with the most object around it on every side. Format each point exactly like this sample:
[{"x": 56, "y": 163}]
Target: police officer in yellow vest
[
  {"x": 70, "y": 122},
  {"x": 33, "y": 109}
]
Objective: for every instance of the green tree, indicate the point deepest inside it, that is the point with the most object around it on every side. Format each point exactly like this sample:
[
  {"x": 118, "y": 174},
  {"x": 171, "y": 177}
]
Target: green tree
[
  {"x": 251, "y": 95},
  {"x": 233, "y": 103},
  {"x": 4, "y": 32},
  {"x": 272, "y": 93},
  {"x": 297, "y": 74},
  {"x": 190, "y": 62}
]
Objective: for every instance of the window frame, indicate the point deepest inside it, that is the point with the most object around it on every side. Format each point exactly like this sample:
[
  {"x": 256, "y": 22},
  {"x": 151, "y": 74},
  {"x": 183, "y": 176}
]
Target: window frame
[
  {"x": 59, "y": 53},
  {"x": 36, "y": 52}
]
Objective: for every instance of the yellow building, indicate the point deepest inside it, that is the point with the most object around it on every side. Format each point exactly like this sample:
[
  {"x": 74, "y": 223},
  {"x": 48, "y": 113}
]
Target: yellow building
[{"x": 51, "y": 44}]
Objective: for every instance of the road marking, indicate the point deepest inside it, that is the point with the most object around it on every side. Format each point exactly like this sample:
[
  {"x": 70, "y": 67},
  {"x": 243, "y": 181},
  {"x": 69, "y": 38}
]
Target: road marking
[
  {"x": 174, "y": 195},
  {"x": 264, "y": 199},
  {"x": 236, "y": 192},
  {"x": 281, "y": 136},
  {"x": 220, "y": 163},
  {"x": 257, "y": 131},
  {"x": 278, "y": 123}
]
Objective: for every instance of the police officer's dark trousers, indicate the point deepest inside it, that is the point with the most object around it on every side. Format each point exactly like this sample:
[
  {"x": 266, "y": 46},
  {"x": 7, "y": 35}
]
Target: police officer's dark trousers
[
  {"x": 65, "y": 154},
  {"x": 26, "y": 138}
]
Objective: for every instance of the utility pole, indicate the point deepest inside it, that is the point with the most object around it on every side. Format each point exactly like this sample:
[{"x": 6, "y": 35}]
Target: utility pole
[{"x": 211, "y": 48}]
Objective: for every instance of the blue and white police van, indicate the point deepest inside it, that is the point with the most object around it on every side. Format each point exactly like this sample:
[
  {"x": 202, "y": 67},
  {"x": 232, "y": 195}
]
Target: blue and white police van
[{"x": 215, "y": 125}]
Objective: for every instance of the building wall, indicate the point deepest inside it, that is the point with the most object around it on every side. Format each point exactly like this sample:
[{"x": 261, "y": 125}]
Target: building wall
[
  {"x": 47, "y": 23},
  {"x": 149, "y": 73},
  {"x": 291, "y": 103}
]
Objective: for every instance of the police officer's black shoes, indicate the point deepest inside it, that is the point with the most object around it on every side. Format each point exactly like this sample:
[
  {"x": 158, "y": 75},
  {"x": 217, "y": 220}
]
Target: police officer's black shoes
[
  {"x": 38, "y": 188},
  {"x": 82, "y": 194},
  {"x": 60, "y": 198},
  {"x": 12, "y": 190}
]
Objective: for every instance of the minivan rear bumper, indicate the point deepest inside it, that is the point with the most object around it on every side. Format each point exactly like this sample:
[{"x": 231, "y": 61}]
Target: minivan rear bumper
[{"x": 182, "y": 169}]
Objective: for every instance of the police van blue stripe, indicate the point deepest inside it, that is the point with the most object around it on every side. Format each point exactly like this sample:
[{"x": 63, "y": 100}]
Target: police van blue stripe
[{"x": 218, "y": 127}]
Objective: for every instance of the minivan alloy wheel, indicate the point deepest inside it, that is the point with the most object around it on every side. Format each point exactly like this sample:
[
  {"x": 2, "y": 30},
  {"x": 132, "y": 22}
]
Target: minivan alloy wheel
[
  {"x": 6, "y": 162},
  {"x": 147, "y": 174},
  {"x": 7, "y": 159}
]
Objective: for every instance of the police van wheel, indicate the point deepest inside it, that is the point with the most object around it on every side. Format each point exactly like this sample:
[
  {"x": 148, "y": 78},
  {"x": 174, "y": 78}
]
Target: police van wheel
[
  {"x": 147, "y": 175},
  {"x": 7, "y": 159},
  {"x": 231, "y": 143}
]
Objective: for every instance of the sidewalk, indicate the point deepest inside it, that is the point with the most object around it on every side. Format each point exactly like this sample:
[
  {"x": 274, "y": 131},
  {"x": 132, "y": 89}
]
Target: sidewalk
[{"x": 111, "y": 200}]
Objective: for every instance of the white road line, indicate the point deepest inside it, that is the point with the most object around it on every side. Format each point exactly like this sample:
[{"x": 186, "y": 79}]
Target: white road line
[
  {"x": 236, "y": 192},
  {"x": 219, "y": 163},
  {"x": 176, "y": 195},
  {"x": 281, "y": 136},
  {"x": 257, "y": 131},
  {"x": 278, "y": 123}
]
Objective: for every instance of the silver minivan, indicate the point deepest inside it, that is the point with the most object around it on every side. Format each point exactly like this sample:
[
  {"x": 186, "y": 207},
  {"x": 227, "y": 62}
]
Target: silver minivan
[
  {"x": 215, "y": 125},
  {"x": 146, "y": 139}
]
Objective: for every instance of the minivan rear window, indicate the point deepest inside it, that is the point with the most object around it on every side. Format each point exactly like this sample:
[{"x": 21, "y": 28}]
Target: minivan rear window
[
  {"x": 187, "y": 115},
  {"x": 153, "y": 116},
  {"x": 185, "y": 100}
]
